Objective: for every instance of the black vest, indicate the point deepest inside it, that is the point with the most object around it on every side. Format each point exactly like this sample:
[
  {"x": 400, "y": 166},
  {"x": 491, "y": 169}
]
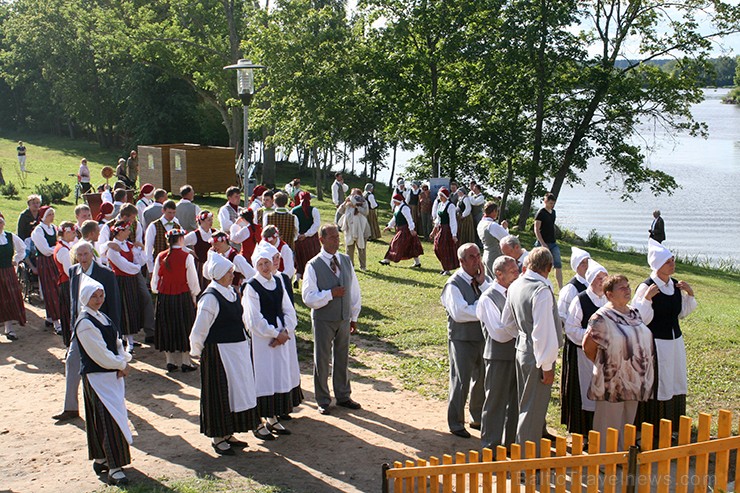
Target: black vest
[
  {"x": 288, "y": 287},
  {"x": 414, "y": 197},
  {"x": 587, "y": 307},
  {"x": 580, "y": 287},
  {"x": 110, "y": 336},
  {"x": 6, "y": 252},
  {"x": 271, "y": 302},
  {"x": 229, "y": 325},
  {"x": 665, "y": 313}
]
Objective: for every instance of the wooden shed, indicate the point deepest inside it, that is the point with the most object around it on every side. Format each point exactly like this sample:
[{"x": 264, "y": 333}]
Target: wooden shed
[
  {"x": 154, "y": 163},
  {"x": 207, "y": 169}
]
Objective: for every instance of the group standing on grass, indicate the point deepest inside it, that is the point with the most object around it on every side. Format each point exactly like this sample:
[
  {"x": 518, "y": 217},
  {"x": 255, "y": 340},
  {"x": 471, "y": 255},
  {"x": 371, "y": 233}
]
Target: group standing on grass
[{"x": 224, "y": 298}]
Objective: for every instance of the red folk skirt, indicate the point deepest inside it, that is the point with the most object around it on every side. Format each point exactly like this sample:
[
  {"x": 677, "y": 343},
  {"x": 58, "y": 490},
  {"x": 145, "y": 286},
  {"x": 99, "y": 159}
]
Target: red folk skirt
[
  {"x": 11, "y": 298},
  {"x": 305, "y": 250},
  {"x": 404, "y": 245},
  {"x": 445, "y": 248},
  {"x": 49, "y": 277}
]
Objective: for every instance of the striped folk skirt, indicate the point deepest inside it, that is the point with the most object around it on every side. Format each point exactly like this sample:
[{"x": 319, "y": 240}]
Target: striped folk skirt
[
  {"x": 11, "y": 297},
  {"x": 279, "y": 404},
  {"x": 445, "y": 248},
  {"x": 216, "y": 417},
  {"x": 201, "y": 280},
  {"x": 48, "y": 276},
  {"x": 653, "y": 410},
  {"x": 404, "y": 245},
  {"x": 572, "y": 415},
  {"x": 174, "y": 317},
  {"x": 104, "y": 438},
  {"x": 305, "y": 250},
  {"x": 131, "y": 311},
  {"x": 372, "y": 219},
  {"x": 465, "y": 230},
  {"x": 65, "y": 308}
]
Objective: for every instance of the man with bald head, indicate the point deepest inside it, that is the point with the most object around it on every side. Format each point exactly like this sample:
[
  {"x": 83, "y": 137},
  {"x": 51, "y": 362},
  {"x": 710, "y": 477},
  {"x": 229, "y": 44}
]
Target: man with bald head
[{"x": 511, "y": 247}]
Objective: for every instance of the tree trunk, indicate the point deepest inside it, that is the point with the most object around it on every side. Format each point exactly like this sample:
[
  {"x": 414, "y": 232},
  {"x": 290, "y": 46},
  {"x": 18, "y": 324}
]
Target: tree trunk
[
  {"x": 344, "y": 159},
  {"x": 306, "y": 158},
  {"x": 393, "y": 165},
  {"x": 317, "y": 173},
  {"x": 507, "y": 187}
]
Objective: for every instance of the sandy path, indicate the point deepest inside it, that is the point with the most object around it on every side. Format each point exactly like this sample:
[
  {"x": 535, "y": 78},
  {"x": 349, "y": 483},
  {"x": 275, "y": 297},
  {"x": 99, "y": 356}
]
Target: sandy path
[{"x": 340, "y": 452}]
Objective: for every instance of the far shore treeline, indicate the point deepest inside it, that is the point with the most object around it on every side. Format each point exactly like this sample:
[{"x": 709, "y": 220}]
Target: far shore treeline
[{"x": 514, "y": 93}]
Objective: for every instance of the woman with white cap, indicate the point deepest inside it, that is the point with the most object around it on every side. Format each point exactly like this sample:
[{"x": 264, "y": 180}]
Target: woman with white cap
[
  {"x": 662, "y": 302},
  {"x": 372, "y": 213},
  {"x": 103, "y": 364},
  {"x": 175, "y": 282},
  {"x": 200, "y": 242},
  {"x": 576, "y": 409},
  {"x": 444, "y": 233},
  {"x": 271, "y": 321},
  {"x": 405, "y": 244},
  {"x": 271, "y": 235},
  {"x": 243, "y": 270},
  {"x": 44, "y": 237},
  {"x": 227, "y": 398},
  {"x": 12, "y": 251},
  {"x": 577, "y": 284}
]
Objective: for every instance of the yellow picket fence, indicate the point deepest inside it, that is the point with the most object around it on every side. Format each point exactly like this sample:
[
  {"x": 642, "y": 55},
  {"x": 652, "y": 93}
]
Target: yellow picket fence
[{"x": 680, "y": 467}]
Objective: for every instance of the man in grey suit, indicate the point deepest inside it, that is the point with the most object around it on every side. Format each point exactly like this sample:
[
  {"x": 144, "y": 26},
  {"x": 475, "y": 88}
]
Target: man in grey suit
[
  {"x": 531, "y": 315},
  {"x": 86, "y": 265},
  {"x": 187, "y": 211},
  {"x": 501, "y": 405},
  {"x": 331, "y": 290},
  {"x": 460, "y": 298}
]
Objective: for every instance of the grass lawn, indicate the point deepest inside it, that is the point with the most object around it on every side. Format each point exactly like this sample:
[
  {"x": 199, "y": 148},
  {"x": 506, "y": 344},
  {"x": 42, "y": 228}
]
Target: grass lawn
[{"x": 403, "y": 326}]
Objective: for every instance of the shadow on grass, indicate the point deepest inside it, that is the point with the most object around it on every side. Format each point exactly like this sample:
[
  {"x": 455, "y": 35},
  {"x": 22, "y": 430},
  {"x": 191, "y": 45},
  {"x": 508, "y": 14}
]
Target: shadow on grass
[{"x": 401, "y": 280}]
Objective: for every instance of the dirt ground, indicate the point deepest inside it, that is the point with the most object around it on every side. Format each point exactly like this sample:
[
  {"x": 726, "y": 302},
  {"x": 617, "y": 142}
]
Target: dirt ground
[{"x": 341, "y": 452}]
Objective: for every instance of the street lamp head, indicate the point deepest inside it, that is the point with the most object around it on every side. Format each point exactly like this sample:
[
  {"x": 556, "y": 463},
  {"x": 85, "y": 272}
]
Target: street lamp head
[{"x": 245, "y": 79}]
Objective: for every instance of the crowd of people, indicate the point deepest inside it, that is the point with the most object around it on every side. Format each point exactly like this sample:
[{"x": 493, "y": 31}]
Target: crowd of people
[{"x": 226, "y": 298}]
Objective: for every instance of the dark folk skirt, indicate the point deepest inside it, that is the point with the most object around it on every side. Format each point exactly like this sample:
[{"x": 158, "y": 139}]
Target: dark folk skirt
[
  {"x": 277, "y": 404},
  {"x": 174, "y": 317},
  {"x": 445, "y": 248},
  {"x": 49, "y": 276},
  {"x": 305, "y": 250},
  {"x": 104, "y": 438},
  {"x": 404, "y": 245},
  {"x": 372, "y": 219},
  {"x": 216, "y": 417},
  {"x": 65, "y": 312},
  {"x": 11, "y": 297},
  {"x": 130, "y": 310},
  {"x": 572, "y": 415},
  {"x": 465, "y": 230}
]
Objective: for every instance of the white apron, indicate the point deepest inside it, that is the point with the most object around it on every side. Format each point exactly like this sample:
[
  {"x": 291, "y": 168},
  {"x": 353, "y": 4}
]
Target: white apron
[
  {"x": 111, "y": 391},
  {"x": 672, "y": 378},
  {"x": 585, "y": 373},
  {"x": 239, "y": 375},
  {"x": 272, "y": 366}
]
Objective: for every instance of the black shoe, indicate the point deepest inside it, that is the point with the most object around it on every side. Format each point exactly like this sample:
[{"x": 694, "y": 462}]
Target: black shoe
[
  {"x": 66, "y": 416},
  {"x": 350, "y": 404},
  {"x": 100, "y": 467},
  {"x": 171, "y": 367},
  {"x": 48, "y": 324},
  {"x": 58, "y": 331},
  {"x": 295, "y": 284},
  {"x": 475, "y": 426},
  {"x": 324, "y": 410},
  {"x": 236, "y": 443},
  {"x": 220, "y": 451},
  {"x": 268, "y": 437},
  {"x": 285, "y": 417},
  {"x": 149, "y": 340},
  {"x": 11, "y": 336},
  {"x": 120, "y": 481},
  {"x": 384, "y": 262},
  {"x": 188, "y": 368},
  {"x": 461, "y": 433},
  {"x": 416, "y": 266}
]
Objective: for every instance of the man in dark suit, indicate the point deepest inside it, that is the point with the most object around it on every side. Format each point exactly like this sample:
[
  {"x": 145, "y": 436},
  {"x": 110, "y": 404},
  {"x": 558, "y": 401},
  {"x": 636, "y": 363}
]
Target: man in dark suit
[
  {"x": 86, "y": 265},
  {"x": 657, "y": 230}
]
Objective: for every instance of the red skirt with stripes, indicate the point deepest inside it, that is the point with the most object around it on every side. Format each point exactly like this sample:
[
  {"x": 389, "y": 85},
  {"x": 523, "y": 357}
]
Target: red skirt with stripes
[
  {"x": 305, "y": 250},
  {"x": 404, "y": 245},
  {"x": 445, "y": 248},
  {"x": 11, "y": 298},
  {"x": 49, "y": 277}
]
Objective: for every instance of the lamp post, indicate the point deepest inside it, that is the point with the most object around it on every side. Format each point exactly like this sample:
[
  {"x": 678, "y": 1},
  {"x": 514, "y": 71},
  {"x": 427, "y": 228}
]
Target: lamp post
[{"x": 245, "y": 86}]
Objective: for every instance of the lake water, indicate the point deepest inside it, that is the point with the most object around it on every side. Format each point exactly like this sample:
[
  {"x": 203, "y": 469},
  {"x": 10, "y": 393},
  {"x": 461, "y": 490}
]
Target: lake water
[{"x": 700, "y": 217}]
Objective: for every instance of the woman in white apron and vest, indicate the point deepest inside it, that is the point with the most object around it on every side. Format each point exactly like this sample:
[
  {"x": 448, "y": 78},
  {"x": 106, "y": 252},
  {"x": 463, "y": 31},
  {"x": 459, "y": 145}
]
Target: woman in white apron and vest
[
  {"x": 200, "y": 242},
  {"x": 12, "y": 308},
  {"x": 44, "y": 237}
]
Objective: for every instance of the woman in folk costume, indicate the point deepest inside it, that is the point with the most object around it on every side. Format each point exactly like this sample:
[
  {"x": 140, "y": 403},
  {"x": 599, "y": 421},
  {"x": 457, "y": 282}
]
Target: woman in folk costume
[
  {"x": 243, "y": 270},
  {"x": 228, "y": 403},
  {"x": 12, "y": 308},
  {"x": 67, "y": 237},
  {"x": 175, "y": 282},
  {"x": 103, "y": 364},
  {"x": 146, "y": 198},
  {"x": 444, "y": 233},
  {"x": 662, "y": 301},
  {"x": 200, "y": 242},
  {"x": 372, "y": 214},
  {"x": 355, "y": 226},
  {"x": 578, "y": 284},
  {"x": 44, "y": 237},
  {"x": 576, "y": 409},
  {"x": 271, "y": 235},
  {"x": 465, "y": 224},
  {"x": 307, "y": 244},
  {"x": 271, "y": 321},
  {"x": 126, "y": 262},
  {"x": 105, "y": 213},
  {"x": 405, "y": 244},
  {"x": 247, "y": 232}
]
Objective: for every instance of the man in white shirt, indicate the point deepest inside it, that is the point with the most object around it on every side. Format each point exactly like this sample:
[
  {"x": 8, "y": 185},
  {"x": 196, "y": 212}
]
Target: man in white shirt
[
  {"x": 187, "y": 211},
  {"x": 511, "y": 246},
  {"x": 331, "y": 290},
  {"x": 466, "y": 343},
  {"x": 531, "y": 315},
  {"x": 155, "y": 240},
  {"x": 229, "y": 213},
  {"x": 338, "y": 194}
]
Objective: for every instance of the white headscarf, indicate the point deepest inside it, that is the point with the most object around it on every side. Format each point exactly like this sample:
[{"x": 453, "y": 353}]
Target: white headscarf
[
  {"x": 657, "y": 254},
  {"x": 217, "y": 266},
  {"x": 593, "y": 269},
  {"x": 576, "y": 257},
  {"x": 88, "y": 287},
  {"x": 265, "y": 250}
]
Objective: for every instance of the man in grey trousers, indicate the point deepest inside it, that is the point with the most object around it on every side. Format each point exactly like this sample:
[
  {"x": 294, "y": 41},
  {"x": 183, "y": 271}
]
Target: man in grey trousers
[
  {"x": 460, "y": 298},
  {"x": 331, "y": 290},
  {"x": 531, "y": 315},
  {"x": 501, "y": 406}
]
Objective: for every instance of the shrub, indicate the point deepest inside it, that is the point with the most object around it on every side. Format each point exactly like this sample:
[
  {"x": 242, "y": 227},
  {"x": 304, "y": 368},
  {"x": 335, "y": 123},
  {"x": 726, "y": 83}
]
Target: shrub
[
  {"x": 595, "y": 240},
  {"x": 52, "y": 193},
  {"x": 9, "y": 190}
]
